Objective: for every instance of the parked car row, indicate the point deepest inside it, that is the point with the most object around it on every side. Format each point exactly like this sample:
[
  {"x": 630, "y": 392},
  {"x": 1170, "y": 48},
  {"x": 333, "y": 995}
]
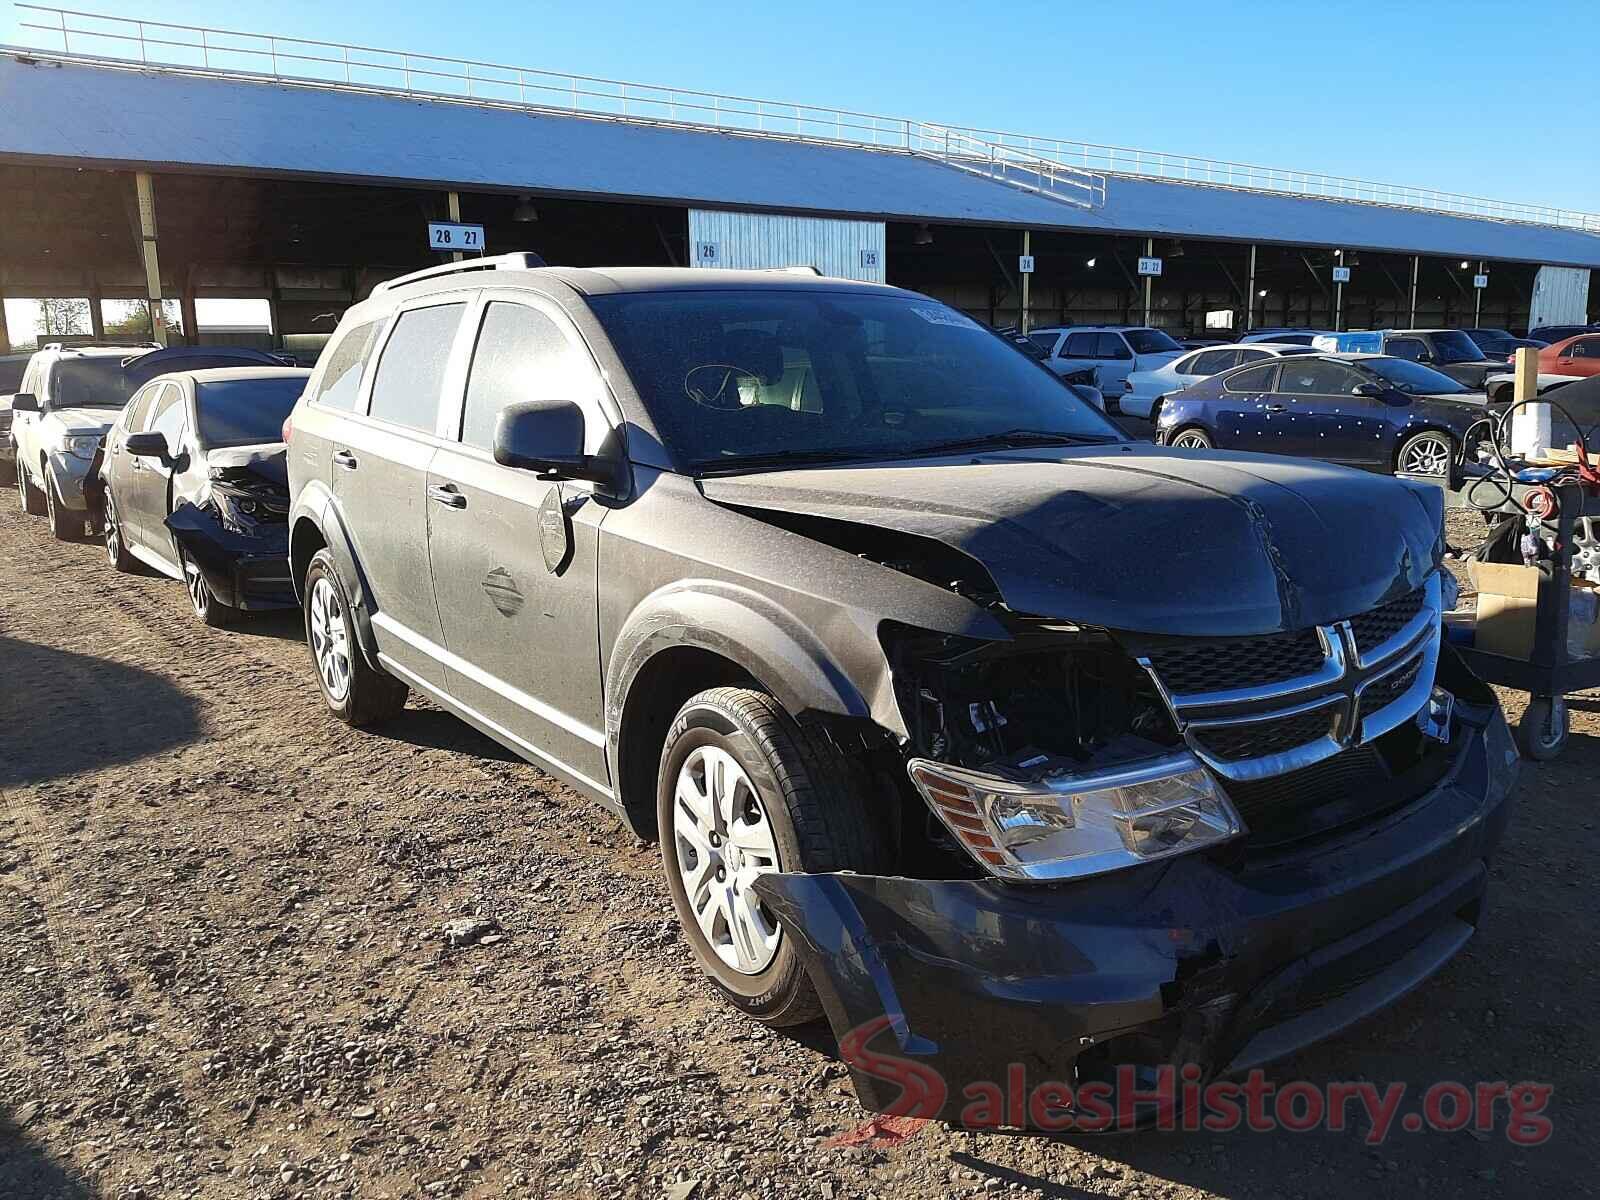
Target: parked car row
[{"x": 956, "y": 713}]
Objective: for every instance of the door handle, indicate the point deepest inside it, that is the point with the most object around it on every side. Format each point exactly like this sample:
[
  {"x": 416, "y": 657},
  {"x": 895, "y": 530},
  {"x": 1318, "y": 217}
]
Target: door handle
[
  {"x": 137, "y": 465},
  {"x": 343, "y": 458},
  {"x": 1276, "y": 408},
  {"x": 446, "y": 494}
]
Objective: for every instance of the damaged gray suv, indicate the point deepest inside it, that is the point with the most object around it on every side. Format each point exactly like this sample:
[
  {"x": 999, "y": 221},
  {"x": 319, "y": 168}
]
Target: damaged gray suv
[{"x": 959, "y": 716}]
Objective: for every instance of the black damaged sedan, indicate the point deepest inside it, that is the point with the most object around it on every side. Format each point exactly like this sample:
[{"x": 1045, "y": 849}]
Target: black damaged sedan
[
  {"x": 192, "y": 483},
  {"x": 1004, "y": 741}
]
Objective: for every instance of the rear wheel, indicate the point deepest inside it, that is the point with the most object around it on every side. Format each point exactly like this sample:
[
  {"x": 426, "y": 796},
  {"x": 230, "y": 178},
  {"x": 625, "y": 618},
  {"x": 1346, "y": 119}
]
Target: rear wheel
[
  {"x": 29, "y": 498},
  {"x": 1427, "y": 453},
  {"x": 744, "y": 791},
  {"x": 1192, "y": 438},
  {"x": 356, "y": 692}
]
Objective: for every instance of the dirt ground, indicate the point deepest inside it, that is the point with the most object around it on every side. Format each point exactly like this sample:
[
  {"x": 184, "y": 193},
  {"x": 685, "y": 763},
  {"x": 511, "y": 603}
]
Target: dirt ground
[{"x": 224, "y": 970}]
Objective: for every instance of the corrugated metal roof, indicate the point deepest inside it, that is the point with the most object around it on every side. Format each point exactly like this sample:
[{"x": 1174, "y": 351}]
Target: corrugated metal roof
[{"x": 72, "y": 112}]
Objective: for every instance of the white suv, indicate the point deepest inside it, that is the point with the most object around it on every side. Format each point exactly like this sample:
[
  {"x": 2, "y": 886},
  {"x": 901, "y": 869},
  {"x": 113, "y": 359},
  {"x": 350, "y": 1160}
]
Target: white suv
[{"x": 1112, "y": 351}]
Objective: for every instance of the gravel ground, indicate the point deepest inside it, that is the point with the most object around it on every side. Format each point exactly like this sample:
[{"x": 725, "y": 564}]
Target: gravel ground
[{"x": 227, "y": 972}]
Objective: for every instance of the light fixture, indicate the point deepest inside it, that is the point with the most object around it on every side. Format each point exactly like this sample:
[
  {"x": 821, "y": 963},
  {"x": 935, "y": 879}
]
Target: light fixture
[
  {"x": 1176, "y": 251},
  {"x": 923, "y": 236},
  {"x": 1465, "y": 264},
  {"x": 525, "y": 211},
  {"x": 1338, "y": 253},
  {"x": 1262, "y": 293},
  {"x": 1089, "y": 263}
]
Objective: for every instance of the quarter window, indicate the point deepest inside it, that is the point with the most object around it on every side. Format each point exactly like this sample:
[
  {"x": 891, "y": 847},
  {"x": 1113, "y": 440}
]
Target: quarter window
[
  {"x": 341, "y": 380},
  {"x": 410, "y": 377},
  {"x": 1251, "y": 379},
  {"x": 521, "y": 355},
  {"x": 1212, "y": 362}
]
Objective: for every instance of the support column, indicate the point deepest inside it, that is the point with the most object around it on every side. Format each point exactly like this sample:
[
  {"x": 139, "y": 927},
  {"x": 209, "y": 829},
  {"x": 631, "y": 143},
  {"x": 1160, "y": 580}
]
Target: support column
[
  {"x": 97, "y": 312},
  {"x": 1149, "y": 281},
  {"x": 1250, "y": 293},
  {"x": 1027, "y": 279},
  {"x": 146, "y": 189},
  {"x": 191, "y": 319},
  {"x": 5, "y": 331},
  {"x": 454, "y": 209},
  {"x": 1415, "y": 263},
  {"x": 1338, "y": 300}
]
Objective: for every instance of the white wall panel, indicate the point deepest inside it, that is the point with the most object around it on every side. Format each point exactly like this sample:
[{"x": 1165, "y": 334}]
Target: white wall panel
[
  {"x": 751, "y": 241},
  {"x": 1560, "y": 297}
]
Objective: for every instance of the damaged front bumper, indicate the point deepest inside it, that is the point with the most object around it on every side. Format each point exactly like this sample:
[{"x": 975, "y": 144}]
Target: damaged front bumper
[
  {"x": 1198, "y": 960},
  {"x": 248, "y": 571}
]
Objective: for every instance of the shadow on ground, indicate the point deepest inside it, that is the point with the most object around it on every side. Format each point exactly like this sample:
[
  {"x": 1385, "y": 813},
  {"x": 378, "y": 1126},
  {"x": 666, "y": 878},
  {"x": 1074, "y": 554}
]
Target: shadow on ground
[
  {"x": 63, "y": 713},
  {"x": 26, "y": 1170}
]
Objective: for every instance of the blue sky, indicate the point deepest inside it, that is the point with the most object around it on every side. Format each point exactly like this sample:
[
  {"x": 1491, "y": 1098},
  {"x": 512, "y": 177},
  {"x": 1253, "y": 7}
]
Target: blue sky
[{"x": 1447, "y": 95}]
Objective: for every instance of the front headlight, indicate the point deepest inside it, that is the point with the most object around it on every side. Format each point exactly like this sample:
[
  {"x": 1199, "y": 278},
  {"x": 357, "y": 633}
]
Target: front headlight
[
  {"x": 1065, "y": 825},
  {"x": 81, "y": 445}
]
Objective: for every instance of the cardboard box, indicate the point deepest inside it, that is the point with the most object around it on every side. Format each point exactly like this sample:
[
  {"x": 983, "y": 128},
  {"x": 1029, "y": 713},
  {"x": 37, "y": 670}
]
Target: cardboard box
[{"x": 1508, "y": 603}]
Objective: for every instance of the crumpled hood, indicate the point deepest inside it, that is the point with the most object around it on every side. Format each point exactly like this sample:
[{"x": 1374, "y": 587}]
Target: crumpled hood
[
  {"x": 84, "y": 420},
  {"x": 270, "y": 460},
  {"x": 1142, "y": 538}
]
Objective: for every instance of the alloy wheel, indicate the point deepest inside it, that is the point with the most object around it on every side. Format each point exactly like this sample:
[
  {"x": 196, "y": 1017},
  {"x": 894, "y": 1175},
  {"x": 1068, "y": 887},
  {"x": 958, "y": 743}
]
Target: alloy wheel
[
  {"x": 113, "y": 532},
  {"x": 1427, "y": 454},
  {"x": 1191, "y": 439},
  {"x": 330, "y": 643},
  {"x": 195, "y": 583},
  {"x": 724, "y": 844}
]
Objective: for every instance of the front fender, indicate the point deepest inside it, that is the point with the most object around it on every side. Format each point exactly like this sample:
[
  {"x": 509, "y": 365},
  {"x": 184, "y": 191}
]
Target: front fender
[
  {"x": 316, "y": 511},
  {"x": 745, "y": 627}
]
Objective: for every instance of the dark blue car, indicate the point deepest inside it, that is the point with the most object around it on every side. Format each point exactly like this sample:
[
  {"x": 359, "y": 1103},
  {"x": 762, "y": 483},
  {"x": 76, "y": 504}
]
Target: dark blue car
[{"x": 1363, "y": 410}]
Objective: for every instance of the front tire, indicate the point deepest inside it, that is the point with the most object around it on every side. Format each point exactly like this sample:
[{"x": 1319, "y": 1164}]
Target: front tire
[
  {"x": 357, "y": 693},
  {"x": 202, "y": 599},
  {"x": 745, "y": 790},
  {"x": 65, "y": 525},
  {"x": 29, "y": 498}
]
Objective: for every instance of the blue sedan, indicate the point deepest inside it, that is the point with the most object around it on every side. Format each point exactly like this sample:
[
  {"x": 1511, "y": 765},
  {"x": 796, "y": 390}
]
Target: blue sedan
[{"x": 1363, "y": 410}]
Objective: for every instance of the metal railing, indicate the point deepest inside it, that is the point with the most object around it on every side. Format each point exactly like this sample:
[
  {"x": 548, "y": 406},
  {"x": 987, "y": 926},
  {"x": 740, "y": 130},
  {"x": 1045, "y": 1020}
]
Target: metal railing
[{"x": 1068, "y": 170}]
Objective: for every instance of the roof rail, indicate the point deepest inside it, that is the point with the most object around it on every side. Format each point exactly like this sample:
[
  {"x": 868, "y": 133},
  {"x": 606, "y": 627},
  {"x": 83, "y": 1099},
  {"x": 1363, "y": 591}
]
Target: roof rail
[
  {"x": 522, "y": 260},
  {"x": 794, "y": 270}
]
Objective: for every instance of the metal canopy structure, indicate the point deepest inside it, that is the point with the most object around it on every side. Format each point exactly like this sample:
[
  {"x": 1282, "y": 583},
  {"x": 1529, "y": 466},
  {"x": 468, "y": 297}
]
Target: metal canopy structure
[{"x": 68, "y": 111}]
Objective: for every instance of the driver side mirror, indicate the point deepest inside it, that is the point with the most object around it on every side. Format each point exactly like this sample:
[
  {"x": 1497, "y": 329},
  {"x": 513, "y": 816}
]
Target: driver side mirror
[
  {"x": 547, "y": 436},
  {"x": 148, "y": 445},
  {"x": 1374, "y": 391},
  {"x": 24, "y": 402}
]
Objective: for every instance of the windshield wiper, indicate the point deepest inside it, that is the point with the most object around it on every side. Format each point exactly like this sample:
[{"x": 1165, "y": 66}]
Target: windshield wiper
[
  {"x": 789, "y": 458},
  {"x": 1013, "y": 438}
]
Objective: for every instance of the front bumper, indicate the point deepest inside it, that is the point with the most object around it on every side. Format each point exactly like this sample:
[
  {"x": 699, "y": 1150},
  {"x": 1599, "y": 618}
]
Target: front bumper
[
  {"x": 244, "y": 571},
  {"x": 69, "y": 474},
  {"x": 1225, "y": 966}
]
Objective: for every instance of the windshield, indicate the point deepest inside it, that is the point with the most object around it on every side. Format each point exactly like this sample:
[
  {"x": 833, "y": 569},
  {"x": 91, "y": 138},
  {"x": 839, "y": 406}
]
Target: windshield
[
  {"x": 1453, "y": 346},
  {"x": 732, "y": 376},
  {"x": 1413, "y": 379},
  {"x": 1150, "y": 341},
  {"x": 89, "y": 383},
  {"x": 243, "y": 412}
]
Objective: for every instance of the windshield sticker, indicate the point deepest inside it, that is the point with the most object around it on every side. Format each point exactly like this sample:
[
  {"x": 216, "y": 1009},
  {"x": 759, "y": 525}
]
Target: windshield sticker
[{"x": 944, "y": 316}]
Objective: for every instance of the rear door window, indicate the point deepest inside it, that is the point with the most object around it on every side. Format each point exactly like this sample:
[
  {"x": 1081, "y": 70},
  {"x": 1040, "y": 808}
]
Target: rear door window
[
  {"x": 1212, "y": 362},
  {"x": 410, "y": 376},
  {"x": 1082, "y": 345},
  {"x": 341, "y": 379},
  {"x": 1409, "y": 349},
  {"x": 1112, "y": 346}
]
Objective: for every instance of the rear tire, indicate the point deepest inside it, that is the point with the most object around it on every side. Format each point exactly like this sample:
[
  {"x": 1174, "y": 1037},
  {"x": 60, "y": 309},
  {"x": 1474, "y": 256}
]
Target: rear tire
[
  {"x": 796, "y": 804},
  {"x": 357, "y": 693},
  {"x": 1192, "y": 438},
  {"x": 29, "y": 498},
  {"x": 1427, "y": 453},
  {"x": 116, "y": 544}
]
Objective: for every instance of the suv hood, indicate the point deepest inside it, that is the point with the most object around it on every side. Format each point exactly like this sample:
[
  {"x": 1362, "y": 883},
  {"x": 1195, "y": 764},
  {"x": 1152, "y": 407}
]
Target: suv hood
[{"x": 1140, "y": 538}]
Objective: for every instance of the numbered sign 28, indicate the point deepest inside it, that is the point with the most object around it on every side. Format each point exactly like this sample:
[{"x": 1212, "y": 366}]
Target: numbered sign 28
[{"x": 450, "y": 235}]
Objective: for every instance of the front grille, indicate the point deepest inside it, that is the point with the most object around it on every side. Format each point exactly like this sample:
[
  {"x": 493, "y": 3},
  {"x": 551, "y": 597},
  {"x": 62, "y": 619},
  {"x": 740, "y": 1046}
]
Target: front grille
[
  {"x": 1390, "y": 688},
  {"x": 1280, "y": 801},
  {"x": 1376, "y": 626},
  {"x": 1190, "y": 668},
  {"x": 1257, "y": 739}
]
